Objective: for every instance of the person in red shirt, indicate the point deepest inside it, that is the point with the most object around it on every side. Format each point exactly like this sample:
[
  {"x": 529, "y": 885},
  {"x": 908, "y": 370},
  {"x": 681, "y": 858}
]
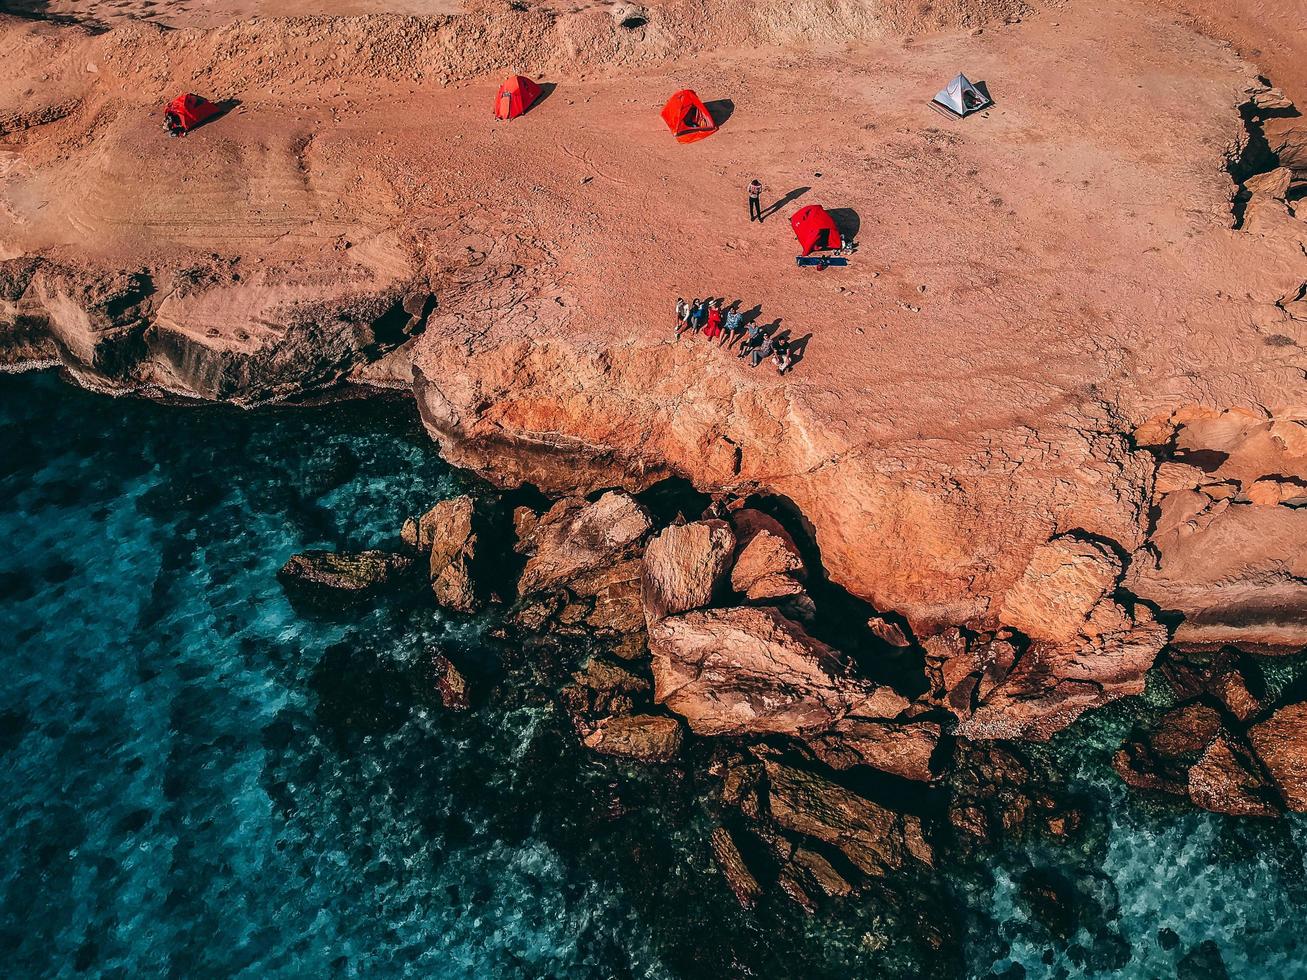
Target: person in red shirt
[{"x": 714, "y": 328}]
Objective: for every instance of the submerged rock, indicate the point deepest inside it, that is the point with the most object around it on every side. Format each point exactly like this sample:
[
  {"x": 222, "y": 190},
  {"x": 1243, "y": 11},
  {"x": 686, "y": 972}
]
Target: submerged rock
[
  {"x": 450, "y": 683},
  {"x": 332, "y": 575},
  {"x": 601, "y": 690},
  {"x": 752, "y": 671},
  {"x": 684, "y": 566},
  {"x": 989, "y": 790},
  {"x": 651, "y": 738}
]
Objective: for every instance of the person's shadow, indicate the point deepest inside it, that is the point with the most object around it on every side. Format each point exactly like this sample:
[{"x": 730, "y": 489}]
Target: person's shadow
[
  {"x": 789, "y": 198},
  {"x": 798, "y": 347}
]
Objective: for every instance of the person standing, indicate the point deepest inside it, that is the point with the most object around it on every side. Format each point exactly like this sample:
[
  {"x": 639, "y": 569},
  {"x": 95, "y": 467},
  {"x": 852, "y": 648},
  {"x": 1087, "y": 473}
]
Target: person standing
[
  {"x": 682, "y": 315},
  {"x": 755, "y": 200}
]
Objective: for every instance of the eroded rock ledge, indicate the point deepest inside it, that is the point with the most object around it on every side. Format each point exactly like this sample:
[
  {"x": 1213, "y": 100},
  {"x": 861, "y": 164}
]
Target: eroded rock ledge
[{"x": 210, "y": 332}]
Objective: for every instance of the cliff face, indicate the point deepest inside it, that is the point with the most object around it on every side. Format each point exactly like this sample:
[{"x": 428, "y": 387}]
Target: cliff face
[{"x": 962, "y": 424}]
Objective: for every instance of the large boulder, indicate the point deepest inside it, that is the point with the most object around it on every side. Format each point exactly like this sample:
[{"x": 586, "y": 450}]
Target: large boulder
[
  {"x": 751, "y": 671},
  {"x": 576, "y": 537},
  {"x": 584, "y": 568},
  {"x": 767, "y": 564},
  {"x": 904, "y": 748},
  {"x": 1226, "y": 779},
  {"x": 450, "y": 534},
  {"x": 684, "y": 567},
  {"x": 1281, "y": 743},
  {"x": 650, "y": 738},
  {"x": 332, "y": 576},
  {"x": 877, "y": 840}
]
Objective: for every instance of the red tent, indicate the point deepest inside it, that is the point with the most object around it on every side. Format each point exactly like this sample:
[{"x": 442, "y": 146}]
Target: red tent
[
  {"x": 187, "y": 111},
  {"x": 687, "y": 117},
  {"x": 814, "y": 229},
  {"x": 515, "y": 96}
]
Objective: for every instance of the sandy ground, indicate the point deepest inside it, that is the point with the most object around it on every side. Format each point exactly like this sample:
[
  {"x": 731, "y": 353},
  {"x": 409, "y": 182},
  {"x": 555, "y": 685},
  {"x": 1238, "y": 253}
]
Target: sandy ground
[
  {"x": 214, "y": 13},
  {"x": 1055, "y": 269}
]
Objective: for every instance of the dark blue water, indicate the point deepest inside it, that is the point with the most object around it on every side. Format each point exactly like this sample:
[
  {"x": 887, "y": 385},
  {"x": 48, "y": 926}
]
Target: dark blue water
[{"x": 197, "y": 779}]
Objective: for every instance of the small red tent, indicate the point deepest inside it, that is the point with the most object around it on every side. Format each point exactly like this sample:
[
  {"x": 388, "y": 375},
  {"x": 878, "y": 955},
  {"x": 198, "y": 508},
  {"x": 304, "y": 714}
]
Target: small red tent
[
  {"x": 186, "y": 112},
  {"x": 687, "y": 117},
  {"x": 814, "y": 229},
  {"x": 515, "y": 96}
]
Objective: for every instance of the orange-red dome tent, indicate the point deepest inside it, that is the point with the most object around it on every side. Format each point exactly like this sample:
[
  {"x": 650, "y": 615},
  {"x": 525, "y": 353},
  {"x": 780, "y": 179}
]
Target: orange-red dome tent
[
  {"x": 687, "y": 117},
  {"x": 815, "y": 228},
  {"x": 186, "y": 112},
  {"x": 515, "y": 96}
]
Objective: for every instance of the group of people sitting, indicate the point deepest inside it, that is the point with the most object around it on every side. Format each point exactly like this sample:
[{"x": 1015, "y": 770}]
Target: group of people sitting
[{"x": 707, "y": 317}]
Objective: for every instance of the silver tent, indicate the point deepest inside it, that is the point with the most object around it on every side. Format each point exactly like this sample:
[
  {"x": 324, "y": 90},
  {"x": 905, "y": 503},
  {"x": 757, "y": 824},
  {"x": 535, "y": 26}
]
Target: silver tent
[{"x": 960, "y": 97}]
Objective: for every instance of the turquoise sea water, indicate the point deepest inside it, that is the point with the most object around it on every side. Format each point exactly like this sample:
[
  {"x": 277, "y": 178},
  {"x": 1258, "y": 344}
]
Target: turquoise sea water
[{"x": 199, "y": 780}]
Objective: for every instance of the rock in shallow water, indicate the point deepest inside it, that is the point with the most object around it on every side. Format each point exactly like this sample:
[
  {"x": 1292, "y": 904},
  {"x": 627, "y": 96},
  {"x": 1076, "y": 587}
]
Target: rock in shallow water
[
  {"x": 1225, "y": 779},
  {"x": 452, "y": 538},
  {"x": 752, "y": 671},
  {"x": 651, "y": 738},
  {"x": 451, "y": 685},
  {"x": 1160, "y": 759},
  {"x": 1281, "y": 743},
  {"x": 332, "y": 575},
  {"x": 875, "y": 839},
  {"x": 738, "y": 876}
]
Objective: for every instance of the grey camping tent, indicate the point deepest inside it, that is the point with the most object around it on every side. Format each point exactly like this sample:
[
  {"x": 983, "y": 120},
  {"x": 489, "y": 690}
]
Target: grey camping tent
[{"x": 960, "y": 97}]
